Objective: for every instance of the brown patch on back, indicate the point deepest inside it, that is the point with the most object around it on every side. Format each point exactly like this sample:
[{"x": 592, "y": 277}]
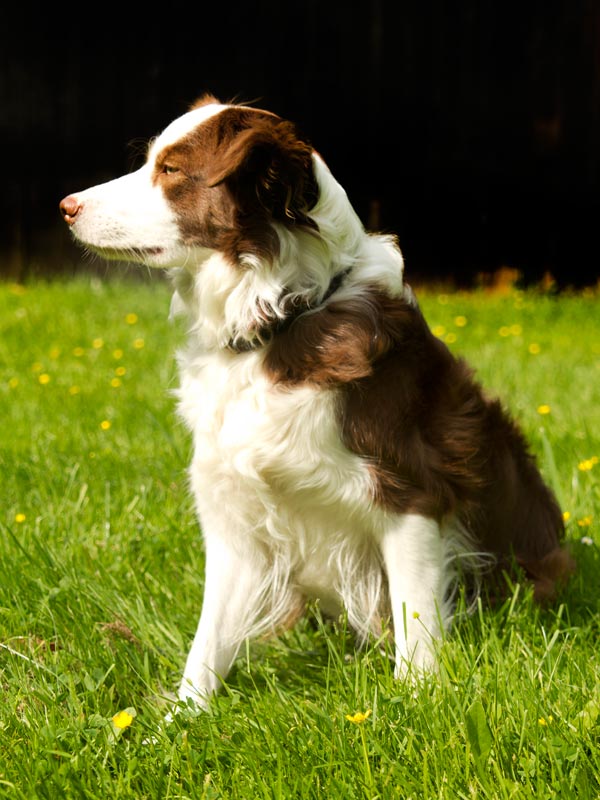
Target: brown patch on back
[
  {"x": 436, "y": 445},
  {"x": 239, "y": 172}
]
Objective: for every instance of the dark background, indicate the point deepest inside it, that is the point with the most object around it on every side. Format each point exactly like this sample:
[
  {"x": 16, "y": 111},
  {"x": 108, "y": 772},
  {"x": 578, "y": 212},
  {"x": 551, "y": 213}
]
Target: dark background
[{"x": 471, "y": 129}]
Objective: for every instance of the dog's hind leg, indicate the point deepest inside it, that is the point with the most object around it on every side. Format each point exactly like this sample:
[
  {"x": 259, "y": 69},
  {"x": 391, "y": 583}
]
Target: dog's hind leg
[
  {"x": 413, "y": 556},
  {"x": 228, "y": 613}
]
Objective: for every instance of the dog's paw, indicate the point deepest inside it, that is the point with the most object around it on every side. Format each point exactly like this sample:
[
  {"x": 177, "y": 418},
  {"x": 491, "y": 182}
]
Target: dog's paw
[
  {"x": 192, "y": 699},
  {"x": 416, "y": 662}
]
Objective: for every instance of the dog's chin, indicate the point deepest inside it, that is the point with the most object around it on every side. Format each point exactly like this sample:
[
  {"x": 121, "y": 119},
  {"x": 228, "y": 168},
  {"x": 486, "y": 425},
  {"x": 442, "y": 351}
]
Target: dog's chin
[{"x": 158, "y": 257}]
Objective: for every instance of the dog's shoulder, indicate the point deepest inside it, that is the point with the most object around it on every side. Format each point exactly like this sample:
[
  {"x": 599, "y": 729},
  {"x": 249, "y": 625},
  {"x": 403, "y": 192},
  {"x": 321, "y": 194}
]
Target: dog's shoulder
[{"x": 346, "y": 340}]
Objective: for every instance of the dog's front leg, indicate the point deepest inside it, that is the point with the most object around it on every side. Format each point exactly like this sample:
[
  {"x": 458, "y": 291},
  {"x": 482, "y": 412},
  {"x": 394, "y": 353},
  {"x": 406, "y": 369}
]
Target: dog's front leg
[
  {"x": 413, "y": 557},
  {"x": 231, "y": 584}
]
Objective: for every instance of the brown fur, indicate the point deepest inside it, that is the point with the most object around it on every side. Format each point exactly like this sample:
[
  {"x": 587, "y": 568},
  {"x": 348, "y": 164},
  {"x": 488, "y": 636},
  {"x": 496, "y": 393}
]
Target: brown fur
[
  {"x": 437, "y": 446},
  {"x": 237, "y": 174}
]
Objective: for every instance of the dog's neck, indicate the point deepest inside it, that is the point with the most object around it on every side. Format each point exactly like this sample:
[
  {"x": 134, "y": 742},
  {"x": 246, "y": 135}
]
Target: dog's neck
[{"x": 297, "y": 308}]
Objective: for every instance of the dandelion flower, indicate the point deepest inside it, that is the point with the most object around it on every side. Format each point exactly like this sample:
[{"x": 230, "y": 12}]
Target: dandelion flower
[
  {"x": 20, "y": 518},
  {"x": 460, "y": 321},
  {"x": 585, "y": 522},
  {"x": 504, "y": 331},
  {"x": 438, "y": 331},
  {"x": 534, "y": 348},
  {"x": 543, "y": 409},
  {"x": 44, "y": 378},
  {"x": 131, "y": 319},
  {"x": 98, "y": 343},
  {"x": 117, "y": 354},
  {"x": 450, "y": 338},
  {"x": 122, "y": 720},
  {"x": 37, "y": 367},
  {"x": 516, "y": 330},
  {"x": 566, "y": 516},
  {"x": 138, "y": 344},
  {"x": 120, "y": 371},
  {"x": 54, "y": 353},
  {"x": 105, "y": 424},
  {"x": 73, "y": 390},
  {"x": 587, "y": 464},
  {"x": 78, "y": 352},
  {"x": 116, "y": 382},
  {"x": 359, "y": 717}
]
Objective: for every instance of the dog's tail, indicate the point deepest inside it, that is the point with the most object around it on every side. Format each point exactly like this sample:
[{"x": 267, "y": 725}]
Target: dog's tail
[{"x": 548, "y": 573}]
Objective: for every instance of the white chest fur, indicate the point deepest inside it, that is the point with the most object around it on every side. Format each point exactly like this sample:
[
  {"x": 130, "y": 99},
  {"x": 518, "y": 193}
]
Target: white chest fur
[{"x": 270, "y": 470}]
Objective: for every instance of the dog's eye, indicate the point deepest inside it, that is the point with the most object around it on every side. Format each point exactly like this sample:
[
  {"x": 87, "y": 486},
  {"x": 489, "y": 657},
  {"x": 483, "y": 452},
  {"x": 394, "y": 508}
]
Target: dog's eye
[{"x": 169, "y": 169}]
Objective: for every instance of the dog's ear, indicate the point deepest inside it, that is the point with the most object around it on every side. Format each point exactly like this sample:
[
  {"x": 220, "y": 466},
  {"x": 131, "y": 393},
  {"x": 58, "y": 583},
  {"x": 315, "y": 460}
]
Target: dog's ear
[{"x": 268, "y": 169}]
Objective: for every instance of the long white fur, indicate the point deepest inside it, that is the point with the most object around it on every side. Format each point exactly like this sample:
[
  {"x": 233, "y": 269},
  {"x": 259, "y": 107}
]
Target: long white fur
[{"x": 287, "y": 512}]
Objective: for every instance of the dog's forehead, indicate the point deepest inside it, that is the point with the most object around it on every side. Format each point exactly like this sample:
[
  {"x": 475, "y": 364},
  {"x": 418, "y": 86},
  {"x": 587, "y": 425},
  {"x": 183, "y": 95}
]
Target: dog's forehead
[{"x": 185, "y": 124}]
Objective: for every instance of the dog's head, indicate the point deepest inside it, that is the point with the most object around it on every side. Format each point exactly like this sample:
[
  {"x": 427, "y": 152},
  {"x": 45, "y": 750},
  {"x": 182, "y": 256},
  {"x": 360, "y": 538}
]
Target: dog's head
[{"x": 219, "y": 178}]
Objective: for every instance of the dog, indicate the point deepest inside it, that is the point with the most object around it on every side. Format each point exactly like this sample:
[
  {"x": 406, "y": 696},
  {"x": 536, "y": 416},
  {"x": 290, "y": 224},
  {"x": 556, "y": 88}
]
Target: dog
[{"x": 341, "y": 452}]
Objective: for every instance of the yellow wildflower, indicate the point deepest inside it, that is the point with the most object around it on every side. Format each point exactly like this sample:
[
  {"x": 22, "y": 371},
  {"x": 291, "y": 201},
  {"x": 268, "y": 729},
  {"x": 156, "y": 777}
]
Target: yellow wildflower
[
  {"x": 78, "y": 352},
  {"x": 131, "y": 319},
  {"x": 566, "y": 516},
  {"x": 585, "y": 522},
  {"x": 138, "y": 344},
  {"x": 122, "y": 720},
  {"x": 13, "y": 383},
  {"x": 438, "y": 331},
  {"x": 120, "y": 371},
  {"x": 543, "y": 409},
  {"x": 105, "y": 424},
  {"x": 74, "y": 390},
  {"x": 98, "y": 343},
  {"x": 20, "y": 518},
  {"x": 117, "y": 354},
  {"x": 534, "y": 348},
  {"x": 44, "y": 378},
  {"x": 460, "y": 321},
  {"x": 359, "y": 717},
  {"x": 587, "y": 464}
]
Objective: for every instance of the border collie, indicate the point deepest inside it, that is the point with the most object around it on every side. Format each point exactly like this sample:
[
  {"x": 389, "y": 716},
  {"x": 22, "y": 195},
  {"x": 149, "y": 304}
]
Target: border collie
[{"x": 341, "y": 452}]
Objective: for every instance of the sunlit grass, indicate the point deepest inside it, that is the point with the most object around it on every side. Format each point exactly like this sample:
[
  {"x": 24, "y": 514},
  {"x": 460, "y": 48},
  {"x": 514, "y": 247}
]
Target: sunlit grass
[{"x": 101, "y": 584}]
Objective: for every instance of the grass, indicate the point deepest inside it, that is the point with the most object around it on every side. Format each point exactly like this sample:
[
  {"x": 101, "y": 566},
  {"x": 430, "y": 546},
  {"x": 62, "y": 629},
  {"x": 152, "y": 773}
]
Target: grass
[{"x": 101, "y": 586}]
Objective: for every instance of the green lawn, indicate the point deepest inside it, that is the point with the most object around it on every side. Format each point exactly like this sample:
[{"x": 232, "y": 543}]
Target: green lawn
[{"x": 101, "y": 583}]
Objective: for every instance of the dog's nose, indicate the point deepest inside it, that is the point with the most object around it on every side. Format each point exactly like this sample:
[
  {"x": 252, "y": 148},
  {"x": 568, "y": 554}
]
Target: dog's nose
[{"x": 70, "y": 207}]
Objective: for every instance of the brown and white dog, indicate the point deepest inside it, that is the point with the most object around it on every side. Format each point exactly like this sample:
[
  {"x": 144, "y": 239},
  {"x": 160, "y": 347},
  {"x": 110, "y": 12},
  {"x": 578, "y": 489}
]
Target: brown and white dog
[{"x": 340, "y": 451}]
